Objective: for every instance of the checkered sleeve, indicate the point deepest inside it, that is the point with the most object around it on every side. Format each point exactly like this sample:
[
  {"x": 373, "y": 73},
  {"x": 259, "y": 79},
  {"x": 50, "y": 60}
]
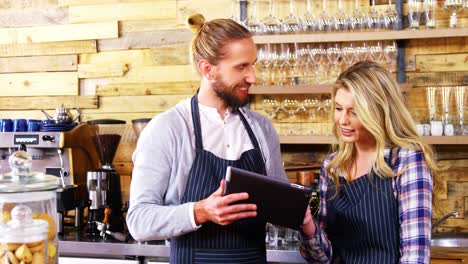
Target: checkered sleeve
[
  {"x": 318, "y": 249},
  {"x": 415, "y": 208}
]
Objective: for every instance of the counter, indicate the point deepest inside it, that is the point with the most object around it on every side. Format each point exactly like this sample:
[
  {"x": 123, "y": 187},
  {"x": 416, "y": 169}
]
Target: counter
[{"x": 75, "y": 244}]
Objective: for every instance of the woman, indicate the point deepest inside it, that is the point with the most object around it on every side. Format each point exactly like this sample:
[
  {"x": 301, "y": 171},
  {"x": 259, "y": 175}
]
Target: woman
[{"x": 376, "y": 188}]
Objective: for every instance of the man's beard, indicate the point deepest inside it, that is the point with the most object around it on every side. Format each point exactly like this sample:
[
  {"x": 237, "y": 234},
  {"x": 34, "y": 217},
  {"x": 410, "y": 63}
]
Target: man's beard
[{"x": 228, "y": 95}]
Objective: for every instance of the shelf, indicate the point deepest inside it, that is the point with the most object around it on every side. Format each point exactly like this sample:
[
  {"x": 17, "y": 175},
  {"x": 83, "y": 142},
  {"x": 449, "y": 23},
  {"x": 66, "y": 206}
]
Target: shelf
[
  {"x": 362, "y": 36},
  {"x": 324, "y": 140},
  {"x": 446, "y": 140},
  {"x": 302, "y": 89}
]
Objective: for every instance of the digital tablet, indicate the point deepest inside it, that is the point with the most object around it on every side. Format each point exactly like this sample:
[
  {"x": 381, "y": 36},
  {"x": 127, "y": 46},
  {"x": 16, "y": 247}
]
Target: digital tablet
[{"x": 278, "y": 202}]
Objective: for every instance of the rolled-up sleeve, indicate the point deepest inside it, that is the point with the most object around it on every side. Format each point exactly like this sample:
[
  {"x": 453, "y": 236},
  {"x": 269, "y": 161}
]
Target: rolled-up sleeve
[{"x": 415, "y": 208}]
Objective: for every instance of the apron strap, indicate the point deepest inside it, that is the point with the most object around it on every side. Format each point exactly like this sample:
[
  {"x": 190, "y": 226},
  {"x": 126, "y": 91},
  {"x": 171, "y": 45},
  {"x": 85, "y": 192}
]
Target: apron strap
[
  {"x": 252, "y": 137},
  {"x": 196, "y": 123}
]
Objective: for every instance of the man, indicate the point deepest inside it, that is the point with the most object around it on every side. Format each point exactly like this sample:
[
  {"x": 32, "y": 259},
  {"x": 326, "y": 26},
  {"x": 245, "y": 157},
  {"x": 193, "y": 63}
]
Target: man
[{"x": 182, "y": 156}]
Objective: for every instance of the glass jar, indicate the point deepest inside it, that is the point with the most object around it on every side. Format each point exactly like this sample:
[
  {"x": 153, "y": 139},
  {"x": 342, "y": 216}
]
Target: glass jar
[{"x": 28, "y": 213}]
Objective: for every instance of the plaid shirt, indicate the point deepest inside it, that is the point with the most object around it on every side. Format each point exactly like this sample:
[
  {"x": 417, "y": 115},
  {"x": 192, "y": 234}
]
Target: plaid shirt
[{"x": 413, "y": 189}]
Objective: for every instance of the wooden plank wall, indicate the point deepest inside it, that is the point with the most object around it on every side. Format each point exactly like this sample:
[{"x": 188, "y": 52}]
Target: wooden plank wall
[{"x": 129, "y": 59}]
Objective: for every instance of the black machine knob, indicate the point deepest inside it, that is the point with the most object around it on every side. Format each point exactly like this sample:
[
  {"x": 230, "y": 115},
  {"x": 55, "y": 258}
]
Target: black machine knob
[{"x": 48, "y": 138}]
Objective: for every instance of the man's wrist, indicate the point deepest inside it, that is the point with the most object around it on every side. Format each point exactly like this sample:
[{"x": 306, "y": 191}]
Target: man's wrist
[{"x": 198, "y": 213}]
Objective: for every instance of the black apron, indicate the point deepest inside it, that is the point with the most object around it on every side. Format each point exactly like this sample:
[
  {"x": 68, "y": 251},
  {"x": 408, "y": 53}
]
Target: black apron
[
  {"x": 363, "y": 221},
  {"x": 240, "y": 242}
]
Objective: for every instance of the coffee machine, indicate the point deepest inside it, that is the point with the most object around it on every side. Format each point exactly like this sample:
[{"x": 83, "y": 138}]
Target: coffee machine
[
  {"x": 65, "y": 154},
  {"x": 104, "y": 191}
]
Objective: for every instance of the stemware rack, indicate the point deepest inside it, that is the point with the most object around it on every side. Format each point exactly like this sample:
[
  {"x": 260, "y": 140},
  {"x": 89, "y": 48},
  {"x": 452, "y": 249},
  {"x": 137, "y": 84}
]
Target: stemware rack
[{"x": 400, "y": 36}]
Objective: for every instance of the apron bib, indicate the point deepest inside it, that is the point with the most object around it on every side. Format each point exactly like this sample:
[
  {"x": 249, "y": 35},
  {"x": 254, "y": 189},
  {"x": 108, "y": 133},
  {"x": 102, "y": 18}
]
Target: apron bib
[
  {"x": 240, "y": 242},
  {"x": 363, "y": 221}
]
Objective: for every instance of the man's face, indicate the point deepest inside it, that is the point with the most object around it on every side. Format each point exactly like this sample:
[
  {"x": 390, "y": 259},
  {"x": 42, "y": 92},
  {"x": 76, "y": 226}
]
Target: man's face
[{"x": 235, "y": 73}]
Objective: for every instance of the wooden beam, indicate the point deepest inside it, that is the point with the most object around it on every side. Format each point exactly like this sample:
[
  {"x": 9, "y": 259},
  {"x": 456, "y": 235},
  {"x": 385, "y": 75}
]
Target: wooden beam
[
  {"x": 147, "y": 103},
  {"x": 29, "y": 114},
  {"x": 128, "y": 117},
  {"x": 457, "y": 188},
  {"x": 33, "y": 17},
  {"x": 48, "y": 48},
  {"x": 93, "y": 2},
  {"x": 149, "y": 25},
  {"x": 425, "y": 79},
  {"x": 101, "y": 70},
  {"x": 172, "y": 55},
  {"x": 208, "y": 8},
  {"x": 37, "y": 84},
  {"x": 138, "y": 57},
  {"x": 39, "y": 64},
  {"x": 150, "y": 39},
  {"x": 59, "y": 33},
  {"x": 25, "y": 4},
  {"x": 121, "y": 89},
  {"x": 123, "y": 11},
  {"x": 442, "y": 62},
  {"x": 47, "y": 102},
  {"x": 175, "y": 73}
]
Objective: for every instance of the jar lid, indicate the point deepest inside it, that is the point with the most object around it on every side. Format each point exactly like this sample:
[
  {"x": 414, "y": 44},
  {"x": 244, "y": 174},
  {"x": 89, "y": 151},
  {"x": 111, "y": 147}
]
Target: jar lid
[
  {"x": 22, "y": 228},
  {"x": 22, "y": 179}
]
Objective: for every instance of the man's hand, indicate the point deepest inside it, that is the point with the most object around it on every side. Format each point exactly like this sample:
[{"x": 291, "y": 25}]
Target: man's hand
[{"x": 216, "y": 208}]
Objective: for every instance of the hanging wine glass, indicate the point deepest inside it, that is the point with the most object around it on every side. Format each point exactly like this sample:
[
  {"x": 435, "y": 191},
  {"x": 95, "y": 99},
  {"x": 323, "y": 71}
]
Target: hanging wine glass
[
  {"x": 454, "y": 6},
  {"x": 293, "y": 62},
  {"x": 316, "y": 55},
  {"x": 349, "y": 54},
  {"x": 309, "y": 21},
  {"x": 374, "y": 20},
  {"x": 291, "y": 106},
  {"x": 291, "y": 24},
  {"x": 271, "y": 24},
  {"x": 285, "y": 55},
  {"x": 341, "y": 20},
  {"x": 362, "y": 51},
  {"x": 253, "y": 25},
  {"x": 333, "y": 55},
  {"x": 359, "y": 20},
  {"x": 376, "y": 51},
  {"x": 271, "y": 106},
  {"x": 263, "y": 59},
  {"x": 325, "y": 22},
  {"x": 310, "y": 106},
  {"x": 391, "y": 18},
  {"x": 390, "y": 53}
]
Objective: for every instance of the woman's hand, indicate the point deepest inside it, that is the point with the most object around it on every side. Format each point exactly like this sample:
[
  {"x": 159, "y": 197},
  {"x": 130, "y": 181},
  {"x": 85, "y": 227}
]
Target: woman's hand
[{"x": 308, "y": 225}]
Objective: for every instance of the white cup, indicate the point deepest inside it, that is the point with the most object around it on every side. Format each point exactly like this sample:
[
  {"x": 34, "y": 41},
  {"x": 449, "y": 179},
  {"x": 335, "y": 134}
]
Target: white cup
[
  {"x": 420, "y": 129},
  {"x": 437, "y": 128},
  {"x": 449, "y": 130},
  {"x": 427, "y": 129}
]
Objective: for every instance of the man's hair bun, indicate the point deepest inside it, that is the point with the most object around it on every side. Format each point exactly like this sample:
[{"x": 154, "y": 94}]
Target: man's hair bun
[{"x": 196, "y": 21}]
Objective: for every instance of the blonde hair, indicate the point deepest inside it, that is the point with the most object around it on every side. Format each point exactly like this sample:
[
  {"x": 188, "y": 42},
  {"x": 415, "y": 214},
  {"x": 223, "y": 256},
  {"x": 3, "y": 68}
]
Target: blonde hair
[
  {"x": 380, "y": 107},
  {"x": 210, "y": 37}
]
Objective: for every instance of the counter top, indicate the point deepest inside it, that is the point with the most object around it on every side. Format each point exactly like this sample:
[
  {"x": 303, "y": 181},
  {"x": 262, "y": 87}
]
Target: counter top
[{"x": 76, "y": 244}]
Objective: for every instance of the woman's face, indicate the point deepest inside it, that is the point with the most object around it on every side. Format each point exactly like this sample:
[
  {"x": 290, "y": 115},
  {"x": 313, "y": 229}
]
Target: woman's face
[{"x": 350, "y": 129}]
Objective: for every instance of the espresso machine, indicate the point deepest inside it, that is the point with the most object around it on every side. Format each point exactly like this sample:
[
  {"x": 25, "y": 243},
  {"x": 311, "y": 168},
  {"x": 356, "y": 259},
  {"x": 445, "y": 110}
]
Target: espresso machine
[
  {"x": 104, "y": 191},
  {"x": 67, "y": 155}
]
